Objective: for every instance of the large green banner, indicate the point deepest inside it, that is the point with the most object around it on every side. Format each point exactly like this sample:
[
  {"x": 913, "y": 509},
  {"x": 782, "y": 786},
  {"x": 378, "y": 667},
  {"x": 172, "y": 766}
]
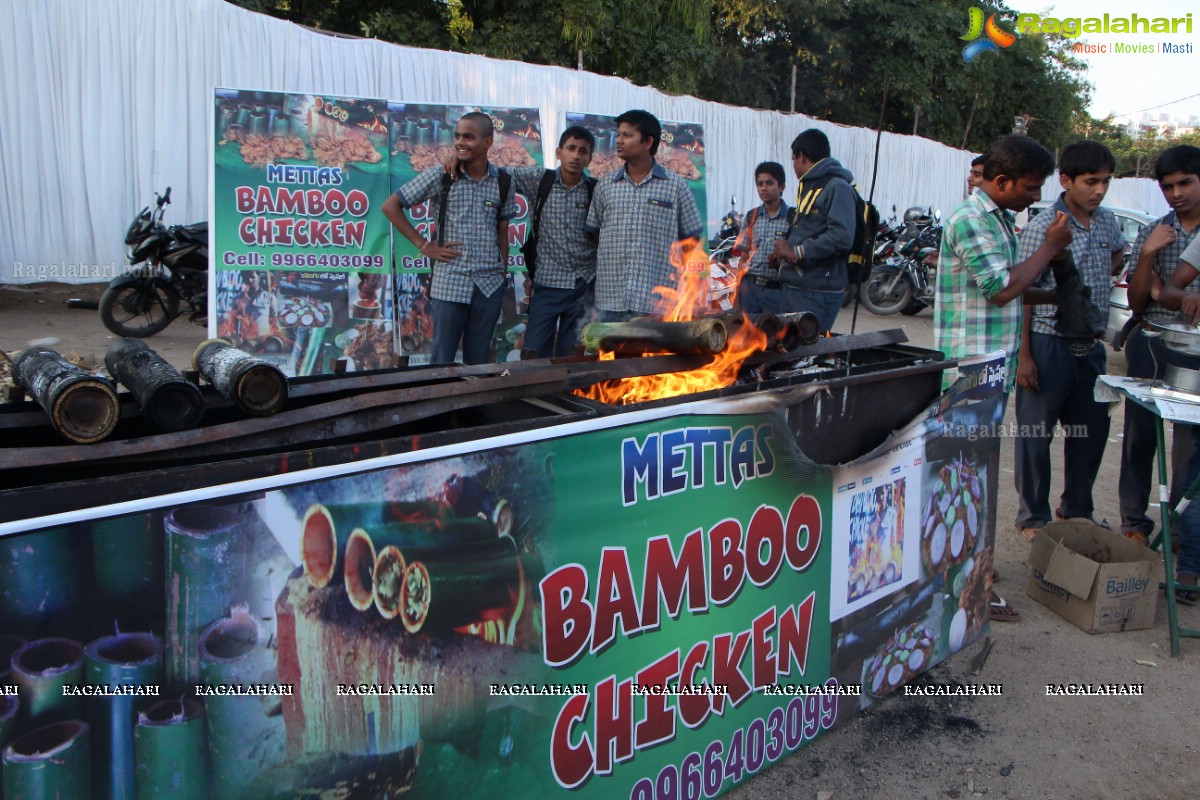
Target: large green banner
[
  {"x": 300, "y": 246},
  {"x": 650, "y": 605}
]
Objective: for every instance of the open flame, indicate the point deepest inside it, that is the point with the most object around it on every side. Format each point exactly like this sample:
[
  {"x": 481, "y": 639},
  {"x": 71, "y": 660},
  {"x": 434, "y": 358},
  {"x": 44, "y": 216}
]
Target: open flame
[{"x": 686, "y": 301}]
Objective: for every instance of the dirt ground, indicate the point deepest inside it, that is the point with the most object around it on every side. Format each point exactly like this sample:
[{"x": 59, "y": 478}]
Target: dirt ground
[{"x": 1020, "y": 745}]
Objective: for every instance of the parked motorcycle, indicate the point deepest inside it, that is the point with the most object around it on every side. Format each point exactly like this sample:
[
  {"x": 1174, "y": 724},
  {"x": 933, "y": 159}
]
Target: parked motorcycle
[
  {"x": 902, "y": 279},
  {"x": 722, "y": 276},
  {"x": 167, "y": 267}
]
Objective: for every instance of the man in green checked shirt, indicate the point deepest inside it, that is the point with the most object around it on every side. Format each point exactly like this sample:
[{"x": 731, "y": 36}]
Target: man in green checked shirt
[{"x": 978, "y": 276}]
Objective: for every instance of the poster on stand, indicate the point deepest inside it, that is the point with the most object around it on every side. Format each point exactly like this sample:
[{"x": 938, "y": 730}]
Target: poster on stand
[
  {"x": 634, "y": 605},
  {"x": 300, "y": 251},
  {"x": 421, "y": 138}
]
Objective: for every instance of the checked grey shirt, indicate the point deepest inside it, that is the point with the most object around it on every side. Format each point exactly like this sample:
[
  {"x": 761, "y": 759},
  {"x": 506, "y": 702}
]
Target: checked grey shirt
[
  {"x": 638, "y": 223},
  {"x": 758, "y": 240},
  {"x": 470, "y": 219},
  {"x": 1092, "y": 248},
  {"x": 1165, "y": 263},
  {"x": 566, "y": 251}
]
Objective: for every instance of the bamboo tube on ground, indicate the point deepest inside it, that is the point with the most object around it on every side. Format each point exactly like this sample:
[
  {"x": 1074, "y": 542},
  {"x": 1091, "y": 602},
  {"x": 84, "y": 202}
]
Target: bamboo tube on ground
[
  {"x": 81, "y": 406},
  {"x": 50, "y": 763},
  {"x": 125, "y": 659},
  {"x": 258, "y": 387},
  {"x": 169, "y": 746},
  {"x": 42, "y": 668},
  {"x": 706, "y": 336},
  {"x": 205, "y": 575},
  {"x": 169, "y": 402}
]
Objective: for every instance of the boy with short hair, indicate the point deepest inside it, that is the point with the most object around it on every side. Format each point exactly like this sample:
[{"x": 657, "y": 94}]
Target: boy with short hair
[
  {"x": 978, "y": 275},
  {"x": 639, "y": 212},
  {"x": 1056, "y": 375},
  {"x": 564, "y": 282},
  {"x": 975, "y": 176},
  {"x": 760, "y": 291},
  {"x": 467, "y": 287},
  {"x": 1163, "y": 287}
]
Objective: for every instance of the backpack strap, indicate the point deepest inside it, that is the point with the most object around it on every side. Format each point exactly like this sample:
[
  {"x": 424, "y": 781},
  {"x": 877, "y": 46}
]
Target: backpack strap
[
  {"x": 447, "y": 182},
  {"x": 504, "y": 178},
  {"x": 543, "y": 192}
]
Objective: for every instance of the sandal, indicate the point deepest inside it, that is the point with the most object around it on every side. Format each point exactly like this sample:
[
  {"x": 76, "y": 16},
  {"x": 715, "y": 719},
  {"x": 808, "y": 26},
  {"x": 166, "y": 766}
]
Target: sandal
[
  {"x": 1137, "y": 537},
  {"x": 1001, "y": 611},
  {"x": 1189, "y": 597}
]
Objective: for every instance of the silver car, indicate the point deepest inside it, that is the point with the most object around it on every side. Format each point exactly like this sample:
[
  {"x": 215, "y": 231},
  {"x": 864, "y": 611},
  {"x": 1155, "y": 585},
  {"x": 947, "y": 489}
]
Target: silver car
[{"x": 1131, "y": 222}]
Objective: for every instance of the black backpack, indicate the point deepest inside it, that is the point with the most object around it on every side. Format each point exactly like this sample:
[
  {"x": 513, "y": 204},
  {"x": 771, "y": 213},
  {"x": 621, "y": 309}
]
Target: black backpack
[
  {"x": 529, "y": 249},
  {"x": 862, "y": 246}
]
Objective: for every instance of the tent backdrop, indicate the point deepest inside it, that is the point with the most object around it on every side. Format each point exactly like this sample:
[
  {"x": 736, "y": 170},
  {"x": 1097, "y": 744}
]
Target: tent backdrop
[{"x": 110, "y": 101}]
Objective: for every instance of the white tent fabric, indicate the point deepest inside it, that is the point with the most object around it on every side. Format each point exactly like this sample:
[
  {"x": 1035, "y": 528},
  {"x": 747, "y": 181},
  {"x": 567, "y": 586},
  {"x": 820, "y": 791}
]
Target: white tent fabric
[{"x": 109, "y": 101}]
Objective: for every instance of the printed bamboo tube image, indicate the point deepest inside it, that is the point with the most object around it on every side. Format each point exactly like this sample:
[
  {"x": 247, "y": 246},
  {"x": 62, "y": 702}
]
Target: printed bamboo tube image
[
  {"x": 8, "y": 646},
  {"x": 50, "y": 763},
  {"x": 447, "y": 593},
  {"x": 169, "y": 748},
  {"x": 707, "y": 336},
  {"x": 471, "y": 497},
  {"x": 10, "y": 704},
  {"x": 257, "y": 386},
  {"x": 359, "y": 573},
  {"x": 206, "y": 571},
  {"x": 127, "y": 565},
  {"x": 81, "y": 407},
  {"x": 124, "y": 659},
  {"x": 42, "y": 668},
  {"x": 397, "y": 546},
  {"x": 39, "y": 581},
  {"x": 169, "y": 402},
  {"x": 230, "y": 655}
]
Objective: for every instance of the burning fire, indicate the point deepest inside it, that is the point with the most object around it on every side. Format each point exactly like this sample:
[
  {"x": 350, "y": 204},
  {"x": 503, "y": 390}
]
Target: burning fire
[{"x": 684, "y": 303}]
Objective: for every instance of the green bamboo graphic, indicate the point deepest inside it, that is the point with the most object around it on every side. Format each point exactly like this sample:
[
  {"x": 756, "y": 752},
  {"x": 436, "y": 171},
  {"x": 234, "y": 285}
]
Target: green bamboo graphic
[
  {"x": 125, "y": 659},
  {"x": 50, "y": 763},
  {"x": 169, "y": 748}
]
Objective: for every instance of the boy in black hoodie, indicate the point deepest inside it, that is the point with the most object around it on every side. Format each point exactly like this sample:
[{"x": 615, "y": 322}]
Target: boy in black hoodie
[{"x": 812, "y": 259}]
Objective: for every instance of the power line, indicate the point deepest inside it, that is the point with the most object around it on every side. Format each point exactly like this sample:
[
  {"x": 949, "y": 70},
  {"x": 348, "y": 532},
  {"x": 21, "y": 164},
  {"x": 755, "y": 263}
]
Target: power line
[{"x": 1160, "y": 105}]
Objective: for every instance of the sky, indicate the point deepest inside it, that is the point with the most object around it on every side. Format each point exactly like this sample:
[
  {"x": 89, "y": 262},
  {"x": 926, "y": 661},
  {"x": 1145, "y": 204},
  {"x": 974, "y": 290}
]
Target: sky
[{"x": 1125, "y": 83}]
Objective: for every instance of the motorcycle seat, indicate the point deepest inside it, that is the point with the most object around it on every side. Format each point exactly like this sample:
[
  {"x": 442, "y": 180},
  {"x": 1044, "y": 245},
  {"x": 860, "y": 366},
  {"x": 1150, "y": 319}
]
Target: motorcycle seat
[{"x": 197, "y": 231}]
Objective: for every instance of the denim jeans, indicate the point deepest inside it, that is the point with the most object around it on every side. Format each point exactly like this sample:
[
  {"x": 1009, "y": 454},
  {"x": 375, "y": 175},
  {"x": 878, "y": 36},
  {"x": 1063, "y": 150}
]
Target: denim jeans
[{"x": 473, "y": 323}]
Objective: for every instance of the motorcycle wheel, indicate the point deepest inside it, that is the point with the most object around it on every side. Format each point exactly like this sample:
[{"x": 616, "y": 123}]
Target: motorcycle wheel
[
  {"x": 912, "y": 308},
  {"x": 139, "y": 309},
  {"x": 877, "y": 297}
]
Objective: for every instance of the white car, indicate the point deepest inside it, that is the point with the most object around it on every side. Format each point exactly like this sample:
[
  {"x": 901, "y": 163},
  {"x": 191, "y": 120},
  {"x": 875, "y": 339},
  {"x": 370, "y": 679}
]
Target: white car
[{"x": 1131, "y": 222}]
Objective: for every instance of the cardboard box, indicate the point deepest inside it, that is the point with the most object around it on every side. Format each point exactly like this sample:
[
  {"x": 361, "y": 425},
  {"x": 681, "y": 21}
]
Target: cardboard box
[{"x": 1094, "y": 578}]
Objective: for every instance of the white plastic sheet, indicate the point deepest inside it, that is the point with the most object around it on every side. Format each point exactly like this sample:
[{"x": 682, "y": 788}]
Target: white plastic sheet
[{"x": 109, "y": 101}]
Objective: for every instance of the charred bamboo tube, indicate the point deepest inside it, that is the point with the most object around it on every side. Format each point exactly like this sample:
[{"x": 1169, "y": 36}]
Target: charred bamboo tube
[
  {"x": 230, "y": 656},
  {"x": 706, "y": 336},
  {"x": 39, "y": 579},
  {"x": 125, "y": 659},
  {"x": 42, "y": 668},
  {"x": 258, "y": 388},
  {"x": 444, "y": 594},
  {"x": 170, "y": 750},
  {"x": 50, "y": 763},
  {"x": 81, "y": 406},
  {"x": 205, "y": 572},
  {"x": 807, "y": 328},
  {"x": 169, "y": 402}
]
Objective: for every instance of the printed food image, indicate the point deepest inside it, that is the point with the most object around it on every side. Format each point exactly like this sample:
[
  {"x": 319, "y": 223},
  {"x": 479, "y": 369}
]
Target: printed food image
[
  {"x": 426, "y": 156},
  {"x": 509, "y": 151},
  {"x": 342, "y": 147},
  {"x": 876, "y": 556},
  {"x": 950, "y": 524},
  {"x": 304, "y": 312},
  {"x": 604, "y": 163},
  {"x": 678, "y": 161},
  {"x": 371, "y": 348},
  {"x": 259, "y": 149},
  {"x": 974, "y": 589},
  {"x": 905, "y": 654}
]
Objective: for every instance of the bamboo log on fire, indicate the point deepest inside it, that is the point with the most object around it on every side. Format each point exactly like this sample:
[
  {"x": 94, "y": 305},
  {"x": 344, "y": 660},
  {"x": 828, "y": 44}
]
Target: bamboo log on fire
[
  {"x": 169, "y": 402},
  {"x": 807, "y": 328},
  {"x": 81, "y": 406},
  {"x": 256, "y": 386},
  {"x": 124, "y": 659},
  {"x": 707, "y": 336},
  {"x": 443, "y": 594},
  {"x": 53, "y": 761},
  {"x": 169, "y": 745}
]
